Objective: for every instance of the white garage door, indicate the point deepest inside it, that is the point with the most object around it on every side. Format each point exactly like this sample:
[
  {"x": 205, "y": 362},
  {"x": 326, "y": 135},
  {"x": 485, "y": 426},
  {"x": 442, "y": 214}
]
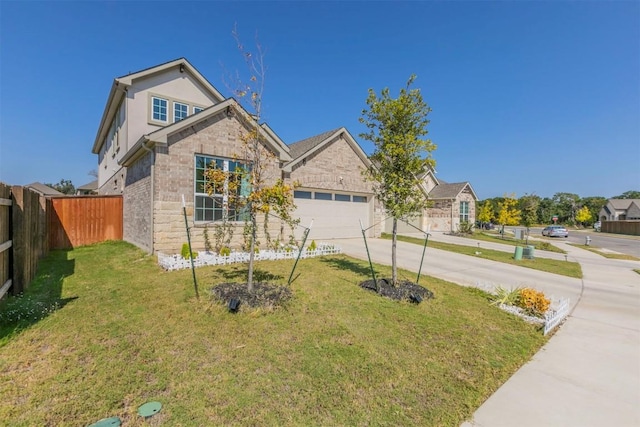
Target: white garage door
[{"x": 335, "y": 215}]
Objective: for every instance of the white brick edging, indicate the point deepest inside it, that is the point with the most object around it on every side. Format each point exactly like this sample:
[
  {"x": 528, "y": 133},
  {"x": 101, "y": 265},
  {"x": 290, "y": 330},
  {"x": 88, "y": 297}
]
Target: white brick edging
[{"x": 176, "y": 262}]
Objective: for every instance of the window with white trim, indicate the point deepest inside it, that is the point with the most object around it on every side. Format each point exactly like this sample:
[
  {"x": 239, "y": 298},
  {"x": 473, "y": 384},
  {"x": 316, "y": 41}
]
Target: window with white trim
[
  {"x": 180, "y": 111},
  {"x": 159, "y": 111},
  {"x": 197, "y": 109},
  {"x": 219, "y": 205},
  {"x": 464, "y": 211}
]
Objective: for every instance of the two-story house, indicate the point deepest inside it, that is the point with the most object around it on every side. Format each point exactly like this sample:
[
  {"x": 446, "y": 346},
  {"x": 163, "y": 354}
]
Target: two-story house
[{"x": 163, "y": 126}]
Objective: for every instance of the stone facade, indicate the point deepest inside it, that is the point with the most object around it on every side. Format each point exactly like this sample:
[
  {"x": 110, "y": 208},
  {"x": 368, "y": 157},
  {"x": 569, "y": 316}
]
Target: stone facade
[
  {"x": 444, "y": 215},
  {"x": 218, "y": 136},
  {"x": 337, "y": 167},
  {"x": 136, "y": 204}
]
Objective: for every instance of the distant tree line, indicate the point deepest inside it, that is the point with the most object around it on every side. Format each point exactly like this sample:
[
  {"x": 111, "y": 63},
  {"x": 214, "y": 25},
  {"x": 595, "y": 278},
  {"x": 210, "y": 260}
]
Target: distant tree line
[{"x": 530, "y": 209}]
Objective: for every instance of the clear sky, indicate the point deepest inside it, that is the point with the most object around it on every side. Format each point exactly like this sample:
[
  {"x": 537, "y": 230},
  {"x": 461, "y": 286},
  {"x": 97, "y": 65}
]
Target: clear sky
[{"x": 527, "y": 97}]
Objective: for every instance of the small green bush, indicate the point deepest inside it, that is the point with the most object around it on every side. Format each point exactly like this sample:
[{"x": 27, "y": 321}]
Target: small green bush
[
  {"x": 225, "y": 251},
  {"x": 506, "y": 296},
  {"x": 312, "y": 246},
  {"x": 185, "y": 252}
]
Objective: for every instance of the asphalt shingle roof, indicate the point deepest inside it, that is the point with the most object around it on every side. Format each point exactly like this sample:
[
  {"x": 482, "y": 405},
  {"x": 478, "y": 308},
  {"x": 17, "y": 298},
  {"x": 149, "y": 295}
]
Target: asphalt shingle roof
[
  {"x": 44, "y": 189},
  {"x": 623, "y": 204},
  {"x": 447, "y": 191},
  {"x": 297, "y": 149}
]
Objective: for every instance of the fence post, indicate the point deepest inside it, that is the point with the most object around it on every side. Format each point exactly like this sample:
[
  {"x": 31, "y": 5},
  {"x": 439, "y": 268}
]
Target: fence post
[{"x": 17, "y": 219}]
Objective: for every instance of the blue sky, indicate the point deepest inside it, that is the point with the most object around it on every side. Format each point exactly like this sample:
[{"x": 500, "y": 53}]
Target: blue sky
[{"x": 527, "y": 97}]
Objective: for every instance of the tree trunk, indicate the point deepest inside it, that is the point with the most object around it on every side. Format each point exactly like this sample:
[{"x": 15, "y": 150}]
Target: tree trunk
[
  {"x": 252, "y": 251},
  {"x": 394, "y": 243}
]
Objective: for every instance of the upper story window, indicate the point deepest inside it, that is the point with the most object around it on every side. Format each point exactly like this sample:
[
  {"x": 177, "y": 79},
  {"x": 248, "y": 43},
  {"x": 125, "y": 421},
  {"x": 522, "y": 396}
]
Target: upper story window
[
  {"x": 159, "y": 109},
  {"x": 180, "y": 111},
  {"x": 197, "y": 109}
]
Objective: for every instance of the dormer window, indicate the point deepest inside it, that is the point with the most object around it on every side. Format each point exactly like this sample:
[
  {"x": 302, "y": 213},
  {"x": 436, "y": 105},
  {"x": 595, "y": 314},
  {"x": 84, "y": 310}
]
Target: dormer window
[
  {"x": 180, "y": 111},
  {"x": 160, "y": 109},
  {"x": 197, "y": 109}
]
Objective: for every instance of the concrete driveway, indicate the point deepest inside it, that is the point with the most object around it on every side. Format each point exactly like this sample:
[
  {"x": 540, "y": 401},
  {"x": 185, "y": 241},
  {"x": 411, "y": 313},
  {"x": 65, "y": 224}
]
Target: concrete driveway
[{"x": 588, "y": 374}]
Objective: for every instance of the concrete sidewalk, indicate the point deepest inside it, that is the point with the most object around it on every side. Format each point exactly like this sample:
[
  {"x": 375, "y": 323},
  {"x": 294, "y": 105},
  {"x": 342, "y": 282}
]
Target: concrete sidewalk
[{"x": 588, "y": 374}]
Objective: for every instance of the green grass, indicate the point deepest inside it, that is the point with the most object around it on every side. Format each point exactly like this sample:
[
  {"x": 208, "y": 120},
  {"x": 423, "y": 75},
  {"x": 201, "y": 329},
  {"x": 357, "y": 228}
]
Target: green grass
[
  {"x": 565, "y": 268},
  {"x": 508, "y": 240},
  {"x": 636, "y": 270},
  {"x": 120, "y": 332},
  {"x": 609, "y": 255}
]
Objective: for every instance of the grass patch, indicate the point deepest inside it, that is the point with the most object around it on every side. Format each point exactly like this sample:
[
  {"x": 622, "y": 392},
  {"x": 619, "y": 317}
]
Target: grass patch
[
  {"x": 335, "y": 355},
  {"x": 636, "y": 270},
  {"x": 606, "y": 254},
  {"x": 565, "y": 268},
  {"x": 508, "y": 240}
]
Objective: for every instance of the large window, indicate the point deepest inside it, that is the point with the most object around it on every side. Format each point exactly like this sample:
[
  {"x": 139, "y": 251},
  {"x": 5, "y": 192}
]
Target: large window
[
  {"x": 464, "y": 211},
  {"x": 220, "y": 205},
  {"x": 180, "y": 111},
  {"x": 160, "y": 109}
]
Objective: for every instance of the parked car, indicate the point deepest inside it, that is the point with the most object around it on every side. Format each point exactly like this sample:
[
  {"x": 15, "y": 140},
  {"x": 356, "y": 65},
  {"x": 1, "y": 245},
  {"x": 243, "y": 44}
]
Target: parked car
[
  {"x": 597, "y": 226},
  {"x": 555, "y": 231}
]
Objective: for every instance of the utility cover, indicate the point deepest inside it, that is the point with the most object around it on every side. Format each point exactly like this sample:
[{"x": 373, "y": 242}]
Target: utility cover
[
  {"x": 149, "y": 409},
  {"x": 107, "y": 422}
]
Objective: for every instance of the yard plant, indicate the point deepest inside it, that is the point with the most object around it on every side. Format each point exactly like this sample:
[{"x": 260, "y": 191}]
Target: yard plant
[{"x": 125, "y": 333}]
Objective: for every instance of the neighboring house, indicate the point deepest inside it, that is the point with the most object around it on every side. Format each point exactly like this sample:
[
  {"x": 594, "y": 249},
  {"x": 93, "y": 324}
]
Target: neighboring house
[
  {"x": 163, "y": 126},
  {"x": 450, "y": 204},
  {"x": 87, "y": 189},
  {"x": 620, "y": 210},
  {"x": 44, "y": 190}
]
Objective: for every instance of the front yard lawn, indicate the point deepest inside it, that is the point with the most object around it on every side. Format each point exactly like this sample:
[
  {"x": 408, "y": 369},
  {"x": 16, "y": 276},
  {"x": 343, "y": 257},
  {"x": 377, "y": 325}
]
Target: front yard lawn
[{"x": 116, "y": 331}]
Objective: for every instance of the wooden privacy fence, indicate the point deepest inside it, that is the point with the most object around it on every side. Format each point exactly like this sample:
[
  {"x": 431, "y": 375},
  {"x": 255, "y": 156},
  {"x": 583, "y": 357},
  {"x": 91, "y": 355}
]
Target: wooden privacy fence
[
  {"x": 83, "y": 220},
  {"x": 31, "y": 225},
  {"x": 630, "y": 227},
  {"x": 26, "y": 222}
]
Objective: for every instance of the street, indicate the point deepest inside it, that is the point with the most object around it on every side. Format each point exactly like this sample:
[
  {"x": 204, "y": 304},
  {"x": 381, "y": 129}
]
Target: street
[{"x": 629, "y": 245}]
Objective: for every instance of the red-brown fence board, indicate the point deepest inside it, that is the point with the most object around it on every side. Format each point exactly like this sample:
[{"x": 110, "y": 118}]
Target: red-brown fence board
[{"x": 83, "y": 220}]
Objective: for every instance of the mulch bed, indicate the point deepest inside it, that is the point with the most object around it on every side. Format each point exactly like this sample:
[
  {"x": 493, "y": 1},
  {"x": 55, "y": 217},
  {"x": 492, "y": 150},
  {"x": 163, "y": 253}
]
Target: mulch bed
[
  {"x": 264, "y": 295},
  {"x": 405, "y": 290}
]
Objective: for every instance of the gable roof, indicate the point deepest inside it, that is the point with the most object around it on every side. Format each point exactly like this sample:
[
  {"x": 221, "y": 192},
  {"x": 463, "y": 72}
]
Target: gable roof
[
  {"x": 623, "y": 204},
  {"x": 45, "y": 190},
  {"x": 120, "y": 85},
  {"x": 306, "y": 147},
  {"x": 232, "y": 107},
  {"x": 450, "y": 191},
  {"x": 297, "y": 149},
  {"x": 90, "y": 186}
]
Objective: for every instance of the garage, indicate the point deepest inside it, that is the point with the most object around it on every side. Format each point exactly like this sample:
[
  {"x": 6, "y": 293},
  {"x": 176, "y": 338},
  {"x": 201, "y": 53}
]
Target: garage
[{"x": 335, "y": 214}]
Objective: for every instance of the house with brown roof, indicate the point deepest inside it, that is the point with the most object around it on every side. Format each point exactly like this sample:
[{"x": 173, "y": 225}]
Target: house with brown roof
[
  {"x": 450, "y": 204},
  {"x": 620, "y": 210},
  {"x": 162, "y": 127}
]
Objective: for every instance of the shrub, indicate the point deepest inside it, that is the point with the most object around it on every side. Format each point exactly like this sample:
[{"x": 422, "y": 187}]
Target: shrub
[
  {"x": 312, "y": 246},
  {"x": 533, "y": 302},
  {"x": 225, "y": 251},
  {"x": 506, "y": 296},
  {"x": 185, "y": 252},
  {"x": 465, "y": 227}
]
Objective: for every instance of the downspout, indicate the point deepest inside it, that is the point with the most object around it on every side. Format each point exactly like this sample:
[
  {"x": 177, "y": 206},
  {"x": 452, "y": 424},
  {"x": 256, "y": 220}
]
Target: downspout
[{"x": 153, "y": 175}]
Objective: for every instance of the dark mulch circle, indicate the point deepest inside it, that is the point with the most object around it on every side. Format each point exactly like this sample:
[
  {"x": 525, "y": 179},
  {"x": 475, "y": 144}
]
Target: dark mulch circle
[
  {"x": 405, "y": 290},
  {"x": 264, "y": 295}
]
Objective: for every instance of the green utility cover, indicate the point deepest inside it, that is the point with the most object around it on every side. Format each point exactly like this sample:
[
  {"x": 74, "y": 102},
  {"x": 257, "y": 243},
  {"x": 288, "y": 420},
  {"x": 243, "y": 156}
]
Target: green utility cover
[
  {"x": 149, "y": 409},
  {"x": 107, "y": 422}
]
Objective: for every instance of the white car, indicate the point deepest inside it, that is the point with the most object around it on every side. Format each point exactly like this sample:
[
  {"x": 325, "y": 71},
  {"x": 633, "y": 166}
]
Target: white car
[{"x": 555, "y": 231}]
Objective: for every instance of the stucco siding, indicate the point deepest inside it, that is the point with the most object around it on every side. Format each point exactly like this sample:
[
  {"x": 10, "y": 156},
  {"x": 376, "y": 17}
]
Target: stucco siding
[{"x": 170, "y": 84}]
